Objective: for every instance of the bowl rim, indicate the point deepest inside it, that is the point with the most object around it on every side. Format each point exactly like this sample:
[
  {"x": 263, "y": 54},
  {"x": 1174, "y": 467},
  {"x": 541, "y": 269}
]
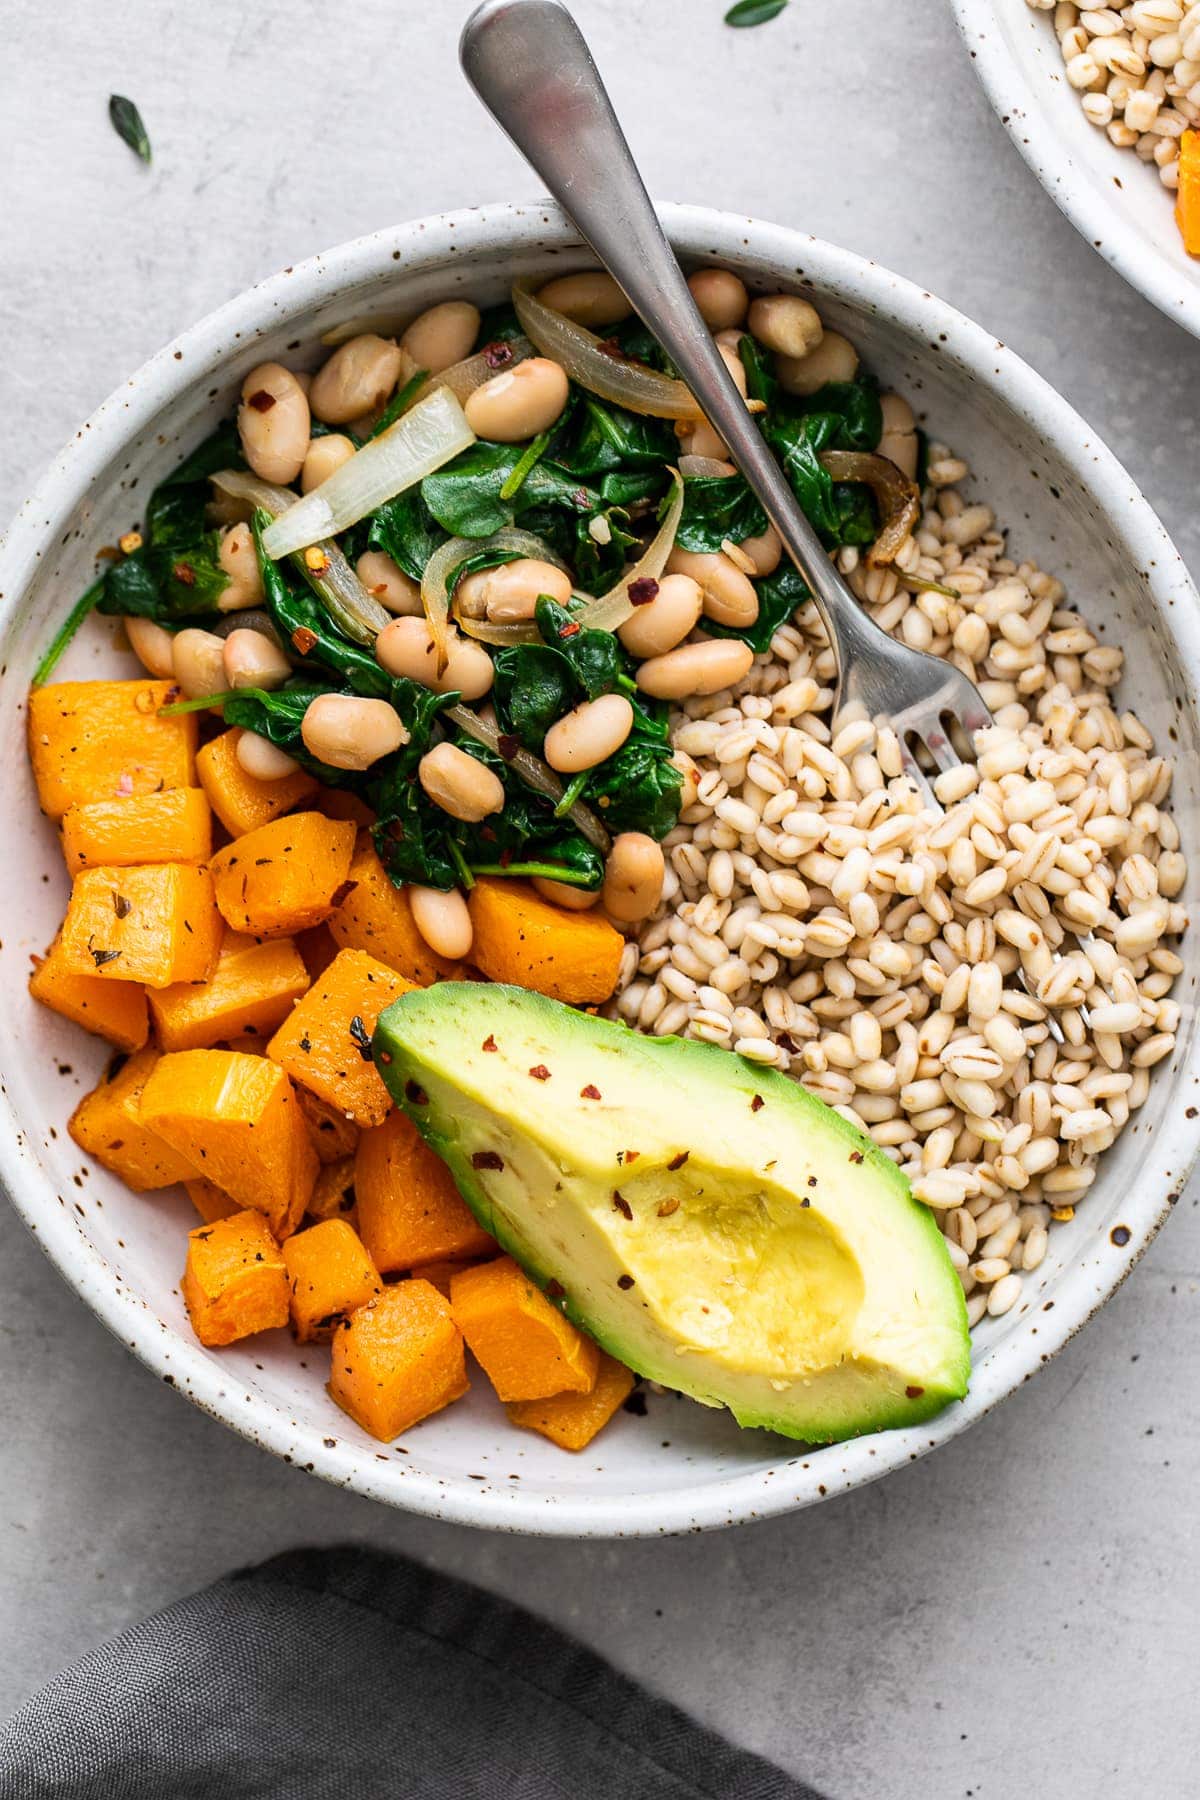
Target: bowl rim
[
  {"x": 804, "y": 1477},
  {"x": 1025, "y": 115}
]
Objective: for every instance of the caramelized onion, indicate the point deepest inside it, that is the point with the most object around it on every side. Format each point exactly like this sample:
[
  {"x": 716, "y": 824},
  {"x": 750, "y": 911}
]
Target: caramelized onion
[
  {"x": 615, "y": 378},
  {"x": 897, "y": 497}
]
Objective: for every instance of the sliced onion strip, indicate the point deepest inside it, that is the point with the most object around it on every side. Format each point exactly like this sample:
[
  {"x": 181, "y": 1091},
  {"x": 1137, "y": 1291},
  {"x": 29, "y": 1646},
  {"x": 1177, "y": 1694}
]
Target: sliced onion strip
[
  {"x": 897, "y": 497},
  {"x": 462, "y": 378},
  {"x": 611, "y": 610},
  {"x": 625, "y": 383},
  {"x": 533, "y": 772}
]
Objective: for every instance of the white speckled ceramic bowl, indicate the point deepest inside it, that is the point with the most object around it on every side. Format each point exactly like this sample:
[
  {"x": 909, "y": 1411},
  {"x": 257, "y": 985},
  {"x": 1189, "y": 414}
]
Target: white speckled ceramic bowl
[
  {"x": 1113, "y": 200},
  {"x": 680, "y": 1467}
]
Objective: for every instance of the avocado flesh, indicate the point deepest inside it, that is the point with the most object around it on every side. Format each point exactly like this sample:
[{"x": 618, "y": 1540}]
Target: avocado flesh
[{"x": 781, "y": 1268}]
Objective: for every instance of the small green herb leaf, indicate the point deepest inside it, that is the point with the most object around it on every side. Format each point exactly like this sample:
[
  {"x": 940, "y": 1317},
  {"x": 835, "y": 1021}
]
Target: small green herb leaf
[
  {"x": 754, "y": 12},
  {"x": 127, "y": 123}
]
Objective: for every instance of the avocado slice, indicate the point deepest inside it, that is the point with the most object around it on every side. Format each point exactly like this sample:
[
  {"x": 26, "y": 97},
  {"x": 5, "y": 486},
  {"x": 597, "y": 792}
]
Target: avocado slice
[{"x": 711, "y": 1224}]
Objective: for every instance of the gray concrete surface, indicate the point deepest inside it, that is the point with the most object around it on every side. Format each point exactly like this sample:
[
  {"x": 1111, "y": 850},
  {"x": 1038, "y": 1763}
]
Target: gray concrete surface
[{"x": 1016, "y": 1617}]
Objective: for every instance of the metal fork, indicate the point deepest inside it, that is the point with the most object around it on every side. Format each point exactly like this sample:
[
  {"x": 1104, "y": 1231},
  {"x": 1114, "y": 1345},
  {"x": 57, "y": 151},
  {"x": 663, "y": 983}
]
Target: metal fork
[{"x": 530, "y": 65}]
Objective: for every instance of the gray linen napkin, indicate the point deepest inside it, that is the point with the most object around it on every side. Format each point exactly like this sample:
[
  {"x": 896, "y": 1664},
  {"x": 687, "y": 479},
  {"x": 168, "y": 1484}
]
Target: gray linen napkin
[{"x": 344, "y": 1675}]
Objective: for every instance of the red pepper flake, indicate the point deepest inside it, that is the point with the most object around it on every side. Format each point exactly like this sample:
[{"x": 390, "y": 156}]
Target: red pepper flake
[
  {"x": 913, "y": 1393},
  {"x": 262, "y": 401},
  {"x": 508, "y": 745},
  {"x": 642, "y": 592},
  {"x": 856, "y": 1156},
  {"x": 625, "y": 1281},
  {"x": 303, "y": 639},
  {"x": 757, "y": 1104},
  {"x": 124, "y": 786},
  {"x": 677, "y": 1162},
  {"x": 554, "y": 1289},
  {"x": 497, "y": 355},
  {"x": 621, "y": 1205},
  {"x": 540, "y": 1072},
  {"x": 489, "y": 1043},
  {"x": 184, "y": 574},
  {"x": 667, "y": 1207},
  {"x": 569, "y": 631},
  {"x": 610, "y": 347},
  {"x": 416, "y": 1096},
  {"x": 486, "y": 1159},
  {"x": 506, "y": 857},
  {"x": 590, "y": 1092}
]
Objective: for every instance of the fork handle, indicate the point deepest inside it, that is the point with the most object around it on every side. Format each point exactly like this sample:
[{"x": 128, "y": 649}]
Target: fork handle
[{"x": 530, "y": 65}]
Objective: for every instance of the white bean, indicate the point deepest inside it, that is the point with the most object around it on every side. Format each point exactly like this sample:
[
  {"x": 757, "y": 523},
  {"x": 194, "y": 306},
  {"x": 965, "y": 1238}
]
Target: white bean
[
  {"x": 460, "y": 784},
  {"x": 349, "y": 733},
  {"x": 263, "y": 760},
  {"x": 253, "y": 660},
  {"x": 442, "y": 920},
  {"x": 633, "y": 877},
  {"x": 730, "y": 597},
  {"x": 721, "y": 298},
  {"x": 588, "y": 734},
  {"x": 764, "y": 551},
  {"x": 899, "y": 441},
  {"x": 274, "y": 423},
  {"x": 592, "y": 299},
  {"x": 442, "y": 335},
  {"x": 664, "y": 620},
  {"x": 785, "y": 323},
  {"x": 153, "y": 647},
  {"x": 198, "y": 658},
  {"x": 565, "y": 893},
  {"x": 386, "y": 582},
  {"x": 833, "y": 359},
  {"x": 357, "y": 379},
  {"x": 509, "y": 593},
  {"x": 405, "y": 647},
  {"x": 325, "y": 455},
  {"x": 696, "y": 669},
  {"x": 518, "y": 403},
  {"x": 238, "y": 557}
]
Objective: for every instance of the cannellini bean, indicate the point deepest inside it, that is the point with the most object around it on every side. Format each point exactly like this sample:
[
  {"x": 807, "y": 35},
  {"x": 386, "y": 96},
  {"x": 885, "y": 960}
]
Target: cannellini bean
[
  {"x": 153, "y": 647},
  {"x": 198, "y": 658},
  {"x": 239, "y": 559},
  {"x": 460, "y": 784},
  {"x": 386, "y": 582},
  {"x": 518, "y": 403},
  {"x": 357, "y": 379},
  {"x": 442, "y": 920},
  {"x": 663, "y": 621},
  {"x": 690, "y": 790},
  {"x": 274, "y": 423},
  {"x": 833, "y": 359},
  {"x": 695, "y": 669},
  {"x": 764, "y": 551},
  {"x": 565, "y": 893},
  {"x": 509, "y": 593},
  {"x": 405, "y": 647},
  {"x": 593, "y": 299},
  {"x": 442, "y": 335},
  {"x": 588, "y": 734},
  {"x": 633, "y": 877},
  {"x": 785, "y": 323},
  {"x": 721, "y": 298},
  {"x": 324, "y": 457},
  {"x": 253, "y": 660},
  {"x": 899, "y": 440},
  {"x": 263, "y": 760},
  {"x": 349, "y": 733},
  {"x": 729, "y": 595}
]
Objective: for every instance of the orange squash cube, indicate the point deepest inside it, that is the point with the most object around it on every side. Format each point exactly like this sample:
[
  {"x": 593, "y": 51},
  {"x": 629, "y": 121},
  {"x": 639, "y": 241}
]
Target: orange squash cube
[
  {"x": 330, "y": 1276},
  {"x": 285, "y": 876},
  {"x": 326, "y": 1042},
  {"x": 375, "y": 915},
  {"x": 235, "y": 1282},
  {"x": 115, "y": 1010},
  {"x": 236, "y": 1120},
  {"x": 333, "y": 1195},
  {"x": 108, "y": 1126},
  {"x": 522, "y": 939},
  {"x": 572, "y": 1420},
  {"x": 334, "y": 1136},
  {"x": 209, "y": 1201},
  {"x": 398, "y": 1359},
  {"x": 240, "y": 801},
  {"x": 250, "y": 991},
  {"x": 172, "y": 827},
  {"x": 157, "y": 924},
  {"x": 104, "y": 740},
  {"x": 1187, "y": 206},
  {"x": 527, "y": 1349},
  {"x": 409, "y": 1210}
]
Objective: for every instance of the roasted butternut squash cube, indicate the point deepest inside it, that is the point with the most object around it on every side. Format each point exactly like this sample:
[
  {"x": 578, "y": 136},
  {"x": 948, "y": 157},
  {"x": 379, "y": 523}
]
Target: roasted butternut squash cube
[
  {"x": 572, "y": 1420},
  {"x": 236, "y": 1120},
  {"x": 524, "y": 940},
  {"x": 285, "y": 876},
  {"x": 334, "y": 1136},
  {"x": 108, "y": 1126},
  {"x": 527, "y": 1349},
  {"x": 240, "y": 801},
  {"x": 326, "y": 1043},
  {"x": 115, "y": 1010},
  {"x": 409, "y": 1210},
  {"x": 209, "y": 1201},
  {"x": 172, "y": 827},
  {"x": 235, "y": 1282},
  {"x": 250, "y": 991},
  {"x": 157, "y": 924},
  {"x": 375, "y": 915},
  {"x": 333, "y": 1195},
  {"x": 104, "y": 740},
  {"x": 398, "y": 1359},
  {"x": 1187, "y": 206},
  {"x": 330, "y": 1276}
]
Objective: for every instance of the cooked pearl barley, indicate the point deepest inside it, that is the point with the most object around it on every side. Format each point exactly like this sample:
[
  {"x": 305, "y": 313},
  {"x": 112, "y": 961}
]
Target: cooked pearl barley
[
  {"x": 357, "y": 379},
  {"x": 405, "y": 647},
  {"x": 273, "y": 423},
  {"x": 588, "y": 734},
  {"x": 442, "y": 920},
  {"x": 386, "y": 582},
  {"x": 509, "y": 593},
  {"x": 592, "y": 299},
  {"x": 349, "y": 733},
  {"x": 198, "y": 658},
  {"x": 460, "y": 784},
  {"x": 442, "y": 336},
  {"x": 721, "y": 297},
  {"x": 785, "y": 323},
  {"x": 633, "y": 877},
  {"x": 239, "y": 559},
  {"x": 518, "y": 403},
  {"x": 263, "y": 760},
  {"x": 325, "y": 455},
  {"x": 253, "y": 660},
  {"x": 153, "y": 647},
  {"x": 661, "y": 623}
]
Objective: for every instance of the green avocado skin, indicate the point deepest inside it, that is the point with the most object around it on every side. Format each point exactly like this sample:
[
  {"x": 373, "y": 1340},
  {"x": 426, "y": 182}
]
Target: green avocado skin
[{"x": 848, "y": 1318}]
